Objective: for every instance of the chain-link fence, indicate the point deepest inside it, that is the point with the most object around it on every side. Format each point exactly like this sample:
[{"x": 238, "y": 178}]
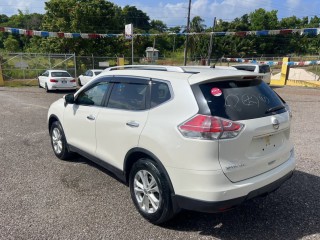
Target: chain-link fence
[{"x": 30, "y": 65}]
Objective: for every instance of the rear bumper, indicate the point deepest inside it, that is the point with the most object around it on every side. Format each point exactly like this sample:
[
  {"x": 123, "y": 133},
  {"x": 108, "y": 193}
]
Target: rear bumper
[
  {"x": 218, "y": 206},
  {"x": 212, "y": 191},
  {"x": 63, "y": 87}
]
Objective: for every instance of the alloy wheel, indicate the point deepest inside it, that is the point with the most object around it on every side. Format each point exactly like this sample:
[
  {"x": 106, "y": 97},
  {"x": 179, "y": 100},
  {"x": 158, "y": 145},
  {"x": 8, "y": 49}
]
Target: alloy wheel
[
  {"x": 57, "y": 140},
  {"x": 146, "y": 191}
]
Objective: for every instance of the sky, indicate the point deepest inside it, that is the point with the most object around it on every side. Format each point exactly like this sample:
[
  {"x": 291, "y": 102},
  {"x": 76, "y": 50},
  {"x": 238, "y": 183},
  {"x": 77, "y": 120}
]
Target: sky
[{"x": 174, "y": 12}]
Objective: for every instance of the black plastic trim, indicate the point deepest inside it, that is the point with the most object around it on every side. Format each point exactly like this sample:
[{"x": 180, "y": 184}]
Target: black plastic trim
[
  {"x": 154, "y": 157},
  {"x": 212, "y": 207},
  {"x": 52, "y": 116},
  {"x": 119, "y": 173},
  {"x": 202, "y": 102}
]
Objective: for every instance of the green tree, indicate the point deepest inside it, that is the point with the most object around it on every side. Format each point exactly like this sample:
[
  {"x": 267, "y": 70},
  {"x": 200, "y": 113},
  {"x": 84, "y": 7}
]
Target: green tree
[
  {"x": 198, "y": 45},
  {"x": 158, "y": 26},
  {"x": 240, "y": 24},
  {"x": 138, "y": 18},
  {"x": 314, "y": 22},
  {"x": 11, "y": 44},
  {"x": 95, "y": 16},
  {"x": 290, "y": 22},
  {"x": 261, "y": 19},
  {"x": 3, "y": 18}
]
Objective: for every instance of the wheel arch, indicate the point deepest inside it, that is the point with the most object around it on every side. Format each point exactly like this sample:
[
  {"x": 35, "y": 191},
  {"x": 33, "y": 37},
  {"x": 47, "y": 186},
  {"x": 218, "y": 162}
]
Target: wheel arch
[
  {"x": 51, "y": 120},
  {"x": 137, "y": 153}
]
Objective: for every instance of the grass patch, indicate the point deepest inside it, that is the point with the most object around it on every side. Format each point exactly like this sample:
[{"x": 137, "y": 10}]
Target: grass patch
[{"x": 21, "y": 83}]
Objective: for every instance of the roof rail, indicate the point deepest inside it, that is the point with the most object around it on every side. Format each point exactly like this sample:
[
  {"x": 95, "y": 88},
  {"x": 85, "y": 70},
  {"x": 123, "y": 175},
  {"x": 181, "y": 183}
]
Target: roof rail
[{"x": 148, "y": 67}]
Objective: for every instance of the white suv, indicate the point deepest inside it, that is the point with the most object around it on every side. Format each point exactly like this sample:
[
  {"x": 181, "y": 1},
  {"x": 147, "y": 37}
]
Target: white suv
[{"x": 204, "y": 140}]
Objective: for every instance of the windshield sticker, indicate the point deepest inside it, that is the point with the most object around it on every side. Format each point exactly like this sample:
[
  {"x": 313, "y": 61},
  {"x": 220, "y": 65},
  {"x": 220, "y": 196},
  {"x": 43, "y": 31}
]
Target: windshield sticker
[{"x": 216, "y": 92}]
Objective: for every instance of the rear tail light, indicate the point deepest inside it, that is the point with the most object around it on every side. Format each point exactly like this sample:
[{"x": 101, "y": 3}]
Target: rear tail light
[
  {"x": 73, "y": 80},
  {"x": 210, "y": 128},
  {"x": 53, "y": 80}
]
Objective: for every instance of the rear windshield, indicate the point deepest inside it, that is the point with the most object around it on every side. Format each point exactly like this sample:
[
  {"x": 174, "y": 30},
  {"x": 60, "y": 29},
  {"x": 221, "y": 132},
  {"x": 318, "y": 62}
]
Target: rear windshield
[
  {"x": 264, "y": 69},
  {"x": 241, "y": 100},
  {"x": 246, "y": 68},
  {"x": 97, "y": 72},
  {"x": 60, "y": 74}
]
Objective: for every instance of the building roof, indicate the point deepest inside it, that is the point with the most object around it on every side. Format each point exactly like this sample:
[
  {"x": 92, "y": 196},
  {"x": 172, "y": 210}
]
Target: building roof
[{"x": 151, "y": 49}]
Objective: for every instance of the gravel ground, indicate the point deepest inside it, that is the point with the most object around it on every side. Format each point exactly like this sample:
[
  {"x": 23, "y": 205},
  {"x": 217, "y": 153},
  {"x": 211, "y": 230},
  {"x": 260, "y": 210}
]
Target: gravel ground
[{"x": 42, "y": 197}]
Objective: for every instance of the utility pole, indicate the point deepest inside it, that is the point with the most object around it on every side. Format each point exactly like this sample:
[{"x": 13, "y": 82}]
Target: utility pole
[
  {"x": 211, "y": 40},
  {"x": 188, "y": 26},
  {"x": 154, "y": 45}
]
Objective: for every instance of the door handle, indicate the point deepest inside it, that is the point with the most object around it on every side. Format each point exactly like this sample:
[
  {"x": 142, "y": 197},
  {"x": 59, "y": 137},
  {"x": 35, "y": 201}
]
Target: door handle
[
  {"x": 91, "y": 117},
  {"x": 132, "y": 124}
]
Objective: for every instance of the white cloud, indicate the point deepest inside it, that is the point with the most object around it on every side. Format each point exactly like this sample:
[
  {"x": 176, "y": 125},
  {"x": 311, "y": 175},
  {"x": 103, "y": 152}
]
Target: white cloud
[
  {"x": 11, "y": 7},
  {"x": 176, "y": 14},
  {"x": 293, "y": 3}
]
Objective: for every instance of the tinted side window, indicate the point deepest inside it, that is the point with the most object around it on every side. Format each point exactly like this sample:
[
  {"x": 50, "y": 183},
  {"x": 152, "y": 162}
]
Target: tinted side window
[
  {"x": 94, "y": 95},
  {"x": 159, "y": 93},
  {"x": 129, "y": 96},
  {"x": 240, "y": 100}
]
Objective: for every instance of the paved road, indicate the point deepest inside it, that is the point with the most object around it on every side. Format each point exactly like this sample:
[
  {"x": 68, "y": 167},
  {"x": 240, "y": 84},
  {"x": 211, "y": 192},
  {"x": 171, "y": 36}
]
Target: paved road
[{"x": 42, "y": 197}]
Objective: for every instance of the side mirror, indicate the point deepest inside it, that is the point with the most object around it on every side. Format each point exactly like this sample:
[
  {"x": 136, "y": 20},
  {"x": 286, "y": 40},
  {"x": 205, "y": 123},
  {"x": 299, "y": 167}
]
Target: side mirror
[{"x": 68, "y": 99}]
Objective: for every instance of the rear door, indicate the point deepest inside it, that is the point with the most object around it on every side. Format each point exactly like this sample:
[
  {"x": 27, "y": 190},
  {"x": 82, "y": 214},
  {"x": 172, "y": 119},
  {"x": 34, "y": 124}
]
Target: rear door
[
  {"x": 120, "y": 123},
  {"x": 264, "y": 142},
  {"x": 43, "y": 78}
]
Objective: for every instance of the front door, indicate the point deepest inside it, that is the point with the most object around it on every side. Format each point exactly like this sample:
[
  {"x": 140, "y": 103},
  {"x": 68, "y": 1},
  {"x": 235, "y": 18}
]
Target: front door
[{"x": 80, "y": 118}]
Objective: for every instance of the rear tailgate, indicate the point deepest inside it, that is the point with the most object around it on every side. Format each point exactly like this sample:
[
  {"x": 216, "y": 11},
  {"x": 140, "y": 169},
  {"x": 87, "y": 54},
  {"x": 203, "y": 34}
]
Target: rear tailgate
[
  {"x": 263, "y": 143},
  {"x": 259, "y": 148},
  {"x": 64, "y": 82}
]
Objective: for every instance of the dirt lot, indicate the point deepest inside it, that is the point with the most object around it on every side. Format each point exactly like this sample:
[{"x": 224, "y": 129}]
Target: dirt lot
[{"x": 42, "y": 197}]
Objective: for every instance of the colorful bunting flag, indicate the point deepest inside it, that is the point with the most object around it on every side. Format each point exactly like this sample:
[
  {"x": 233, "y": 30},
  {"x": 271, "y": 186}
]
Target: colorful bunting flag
[{"x": 305, "y": 31}]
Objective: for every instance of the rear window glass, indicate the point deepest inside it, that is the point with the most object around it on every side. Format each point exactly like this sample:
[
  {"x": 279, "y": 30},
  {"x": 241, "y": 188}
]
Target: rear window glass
[
  {"x": 240, "y": 100},
  {"x": 264, "y": 69},
  {"x": 246, "y": 68},
  {"x": 160, "y": 93},
  {"x": 60, "y": 74}
]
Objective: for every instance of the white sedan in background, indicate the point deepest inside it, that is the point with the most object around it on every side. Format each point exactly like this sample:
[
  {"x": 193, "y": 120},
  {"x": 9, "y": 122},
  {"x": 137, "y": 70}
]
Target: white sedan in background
[
  {"x": 57, "y": 80},
  {"x": 88, "y": 75}
]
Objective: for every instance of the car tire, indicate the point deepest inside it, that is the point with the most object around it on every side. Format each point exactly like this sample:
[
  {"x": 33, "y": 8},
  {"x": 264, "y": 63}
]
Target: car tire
[
  {"x": 39, "y": 83},
  {"x": 150, "y": 191},
  {"x": 46, "y": 87},
  {"x": 58, "y": 141}
]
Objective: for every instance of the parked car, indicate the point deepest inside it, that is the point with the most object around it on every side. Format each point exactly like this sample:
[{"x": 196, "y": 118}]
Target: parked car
[
  {"x": 204, "y": 140},
  {"x": 263, "y": 69},
  {"x": 88, "y": 75},
  {"x": 56, "y": 80}
]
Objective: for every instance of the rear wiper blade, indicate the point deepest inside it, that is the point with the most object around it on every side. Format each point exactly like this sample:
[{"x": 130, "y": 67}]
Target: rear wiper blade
[{"x": 277, "y": 108}]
